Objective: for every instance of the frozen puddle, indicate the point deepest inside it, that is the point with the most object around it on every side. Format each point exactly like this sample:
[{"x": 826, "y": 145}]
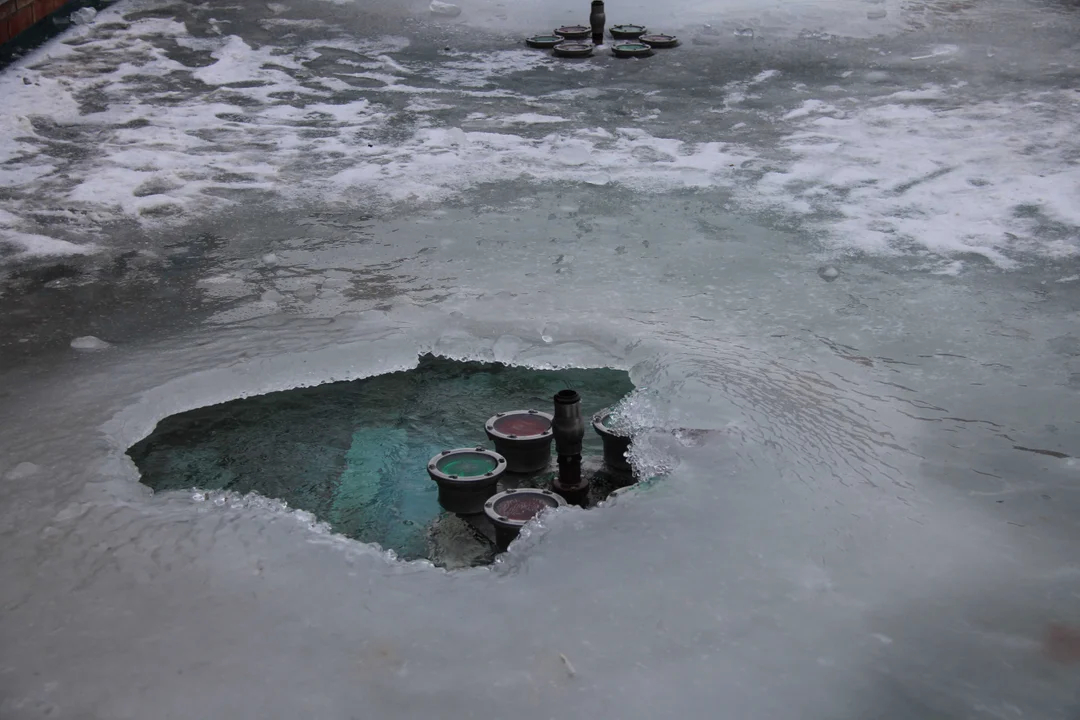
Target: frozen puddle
[{"x": 354, "y": 454}]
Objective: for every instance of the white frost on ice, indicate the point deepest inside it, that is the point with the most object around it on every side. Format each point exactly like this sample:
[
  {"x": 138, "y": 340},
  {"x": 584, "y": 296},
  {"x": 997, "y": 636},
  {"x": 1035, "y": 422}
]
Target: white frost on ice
[
  {"x": 912, "y": 172},
  {"x": 29, "y": 245},
  {"x": 809, "y": 107},
  {"x": 969, "y": 179}
]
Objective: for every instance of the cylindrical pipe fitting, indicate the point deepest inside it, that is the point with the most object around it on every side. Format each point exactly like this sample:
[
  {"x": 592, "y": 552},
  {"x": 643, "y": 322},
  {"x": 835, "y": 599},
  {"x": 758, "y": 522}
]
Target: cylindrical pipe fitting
[
  {"x": 569, "y": 485},
  {"x": 567, "y": 423},
  {"x": 597, "y": 19}
]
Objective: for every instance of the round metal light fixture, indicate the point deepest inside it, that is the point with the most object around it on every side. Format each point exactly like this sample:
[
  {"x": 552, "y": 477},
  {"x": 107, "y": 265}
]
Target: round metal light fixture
[
  {"x": 573, "y": 49},
  {"x": 544, "y": 42},
  {"x": 659, "y": 40},
  {"x": 574, "y": 32},
  {"x": 466, "y": 477},
  {"x": 510, "y": 510},
  {"x": 616, "y": 444},
  {"x": 631, "y": 49},
  {"x": 523, "y": 437},
  {"x": 628, "y": 32}
]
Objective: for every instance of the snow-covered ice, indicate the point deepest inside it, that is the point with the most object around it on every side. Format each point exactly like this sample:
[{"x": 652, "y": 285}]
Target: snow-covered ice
[{"x": 837, "y": 255}]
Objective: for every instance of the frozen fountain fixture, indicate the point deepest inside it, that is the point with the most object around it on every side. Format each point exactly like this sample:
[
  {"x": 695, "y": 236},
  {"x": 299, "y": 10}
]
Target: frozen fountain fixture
[
  {"x": 569, "y": 430},
  {"x": 573, "y": 32},
  {"x": 466, "y": 477},
  {"x": 510, "y": 510},
  {"x": 597, "y": 19},
  {"x": 470, "y": 479},
  {"x": 630, "y": 41},
  {"x": 616, "y": 444},
  {"x": 523, "y": 437},
  {"x": 628, "y": 32}
]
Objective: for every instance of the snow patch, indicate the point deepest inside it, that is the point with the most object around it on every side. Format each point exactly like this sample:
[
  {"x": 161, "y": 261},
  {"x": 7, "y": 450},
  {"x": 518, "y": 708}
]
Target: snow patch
[
  {"x": 28, "y": 245},
  {"x": 89, "y": 343},
  {"x": 976, "y": 179}
]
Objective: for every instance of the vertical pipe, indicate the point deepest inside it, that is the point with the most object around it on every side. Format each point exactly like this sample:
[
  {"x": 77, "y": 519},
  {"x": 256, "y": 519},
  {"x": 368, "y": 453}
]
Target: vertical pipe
[
  {"x": 568, "y": 428},
  {"x": 597, "y": 18}
]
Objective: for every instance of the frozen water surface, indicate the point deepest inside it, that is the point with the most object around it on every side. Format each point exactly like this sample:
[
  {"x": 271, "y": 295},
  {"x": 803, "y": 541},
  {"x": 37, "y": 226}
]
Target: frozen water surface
[
  {"x": 875, "y": 515},
  {"x": 349, "y": 452}
]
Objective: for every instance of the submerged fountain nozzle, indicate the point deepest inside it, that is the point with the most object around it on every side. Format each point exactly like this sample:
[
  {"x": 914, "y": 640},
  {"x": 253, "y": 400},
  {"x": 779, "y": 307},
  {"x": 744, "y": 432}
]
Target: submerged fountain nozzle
[
  {"x": 511, "y": 509},
  {"x": 466, "y": 477}
]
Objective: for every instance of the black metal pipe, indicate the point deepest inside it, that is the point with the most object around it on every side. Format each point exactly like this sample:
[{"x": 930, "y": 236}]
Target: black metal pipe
[
  {"x": 597, "y": 18},
  {"x": 569, "y": 429},
  {"x": 567, "y": 424}
]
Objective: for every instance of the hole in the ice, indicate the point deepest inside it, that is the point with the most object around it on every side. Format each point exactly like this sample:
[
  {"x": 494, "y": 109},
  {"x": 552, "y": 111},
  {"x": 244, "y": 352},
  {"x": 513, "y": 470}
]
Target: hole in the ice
[{"x": 356, "y": 454}]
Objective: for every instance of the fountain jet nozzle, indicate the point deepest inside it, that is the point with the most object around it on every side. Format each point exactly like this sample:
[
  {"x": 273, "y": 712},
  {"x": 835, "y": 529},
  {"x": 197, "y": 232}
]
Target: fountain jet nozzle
[
  {"x": 567, "y": 424},
  {"x": 597, "y": 19},
  {"x": 568, "y": 427}
]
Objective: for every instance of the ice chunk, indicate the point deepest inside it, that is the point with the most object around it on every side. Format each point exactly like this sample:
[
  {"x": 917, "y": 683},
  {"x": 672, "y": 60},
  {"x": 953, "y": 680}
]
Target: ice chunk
[
  {"x": 444, "y": 9},
  {"x": 89, "y": 342},
  {"x": 828, "y": 273},
  {"x": 83, "y": 16},
  {"x": 22, "y": 470},
  {"x": 744, "y": 32}
]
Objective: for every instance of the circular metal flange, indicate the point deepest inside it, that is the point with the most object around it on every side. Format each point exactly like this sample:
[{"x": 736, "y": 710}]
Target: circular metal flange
[
  {"x": 523, "y": 425},
  {"x": 616, "y": 443},
  {"x": 601, "y": 424},
  {"x": 523, "y": 437},
  {"x": 628, "y": 32},
  {"x": 631, "y": 50},
  {"x": 574, "y": 32},
  {"x": 544, "y": 42},
  {"x": 573, "y": 49},
  {"x": 511, "y": 509},
  {"x": 659, "y": 41},
  {"x": 466, "y": 466}
]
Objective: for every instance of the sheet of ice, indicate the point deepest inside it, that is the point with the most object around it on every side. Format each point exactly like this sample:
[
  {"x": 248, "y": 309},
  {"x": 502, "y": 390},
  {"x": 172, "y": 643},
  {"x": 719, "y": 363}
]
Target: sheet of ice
[
  {"x": 812, "y": 565},
  {"x": 871, "y": 503},
  {"x": 980, "y": 178},
  {"x": 258, "y": 123}
]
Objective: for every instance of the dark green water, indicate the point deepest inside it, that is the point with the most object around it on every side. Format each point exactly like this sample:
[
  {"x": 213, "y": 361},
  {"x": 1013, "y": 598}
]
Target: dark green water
[{"x": 355, "y": 453}]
